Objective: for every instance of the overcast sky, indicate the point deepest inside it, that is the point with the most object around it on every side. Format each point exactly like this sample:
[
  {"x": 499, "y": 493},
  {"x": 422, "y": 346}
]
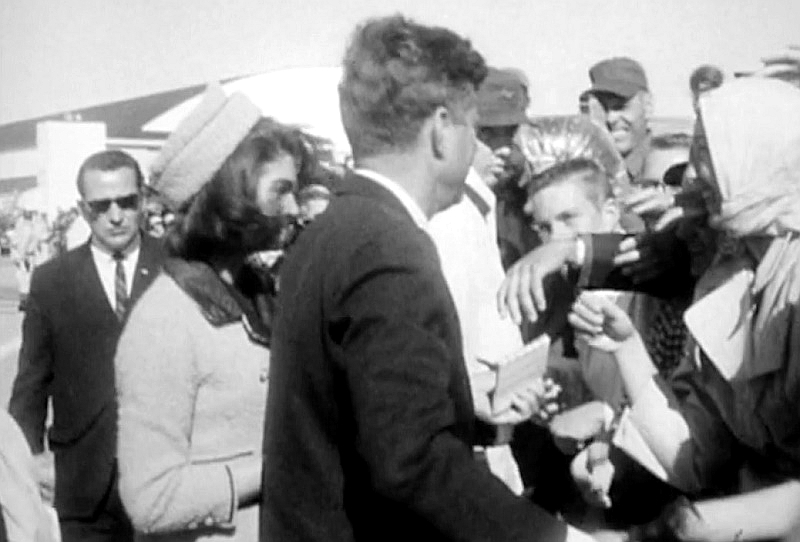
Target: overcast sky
[{"x": 58, "y": 55}]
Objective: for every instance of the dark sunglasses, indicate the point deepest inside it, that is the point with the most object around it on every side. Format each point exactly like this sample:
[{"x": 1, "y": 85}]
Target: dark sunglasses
[{"x": 100, "y": 206}]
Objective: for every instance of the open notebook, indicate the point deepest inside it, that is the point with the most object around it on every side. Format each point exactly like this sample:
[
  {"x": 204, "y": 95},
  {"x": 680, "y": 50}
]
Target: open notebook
[{"x": 520, "y": 370}]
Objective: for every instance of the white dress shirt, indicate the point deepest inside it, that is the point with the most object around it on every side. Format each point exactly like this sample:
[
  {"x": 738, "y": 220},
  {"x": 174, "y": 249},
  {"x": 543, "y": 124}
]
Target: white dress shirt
[
  {"x": 466, "y": 240},
  {"x": 106, "y": 267}
]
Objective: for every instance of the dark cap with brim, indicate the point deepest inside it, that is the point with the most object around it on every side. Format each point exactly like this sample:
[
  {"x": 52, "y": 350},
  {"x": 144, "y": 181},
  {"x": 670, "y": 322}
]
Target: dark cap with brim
[
  {"x": 502, "y": 99},
  {"x": 621, "y": 76}
]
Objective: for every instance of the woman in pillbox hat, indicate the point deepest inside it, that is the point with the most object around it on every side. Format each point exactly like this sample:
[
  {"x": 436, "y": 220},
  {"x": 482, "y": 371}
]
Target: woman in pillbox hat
[{"x": 192, "y": 364}]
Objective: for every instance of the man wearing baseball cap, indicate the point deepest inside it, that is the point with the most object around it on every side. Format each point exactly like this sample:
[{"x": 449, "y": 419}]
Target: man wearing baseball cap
[
  {"x": 621, "y": 87},
  {"x": 502, "y": 102}
]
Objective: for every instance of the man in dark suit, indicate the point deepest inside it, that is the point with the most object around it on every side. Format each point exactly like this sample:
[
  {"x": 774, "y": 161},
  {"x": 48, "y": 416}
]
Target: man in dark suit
[
  {"x": 370, "y": 422},
  {"x": 76, "y": 310}
]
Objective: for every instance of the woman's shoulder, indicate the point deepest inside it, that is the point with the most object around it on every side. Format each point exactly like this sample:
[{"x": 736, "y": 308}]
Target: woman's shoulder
[{"x": 162, "y": 305}]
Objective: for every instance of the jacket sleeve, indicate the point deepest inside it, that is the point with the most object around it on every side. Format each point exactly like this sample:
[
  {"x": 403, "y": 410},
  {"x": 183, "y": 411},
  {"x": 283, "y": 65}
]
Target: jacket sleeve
[
  {"x": 599, "y": 271},
  {"x": 31, "y": 389},
  {"x": 399, "y": 371},
  {"x": 157, "y": 381}
]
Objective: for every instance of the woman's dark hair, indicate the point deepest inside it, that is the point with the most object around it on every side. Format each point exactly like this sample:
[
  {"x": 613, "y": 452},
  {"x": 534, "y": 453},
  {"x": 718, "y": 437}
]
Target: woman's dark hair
[{"x": 223, "y": 219}]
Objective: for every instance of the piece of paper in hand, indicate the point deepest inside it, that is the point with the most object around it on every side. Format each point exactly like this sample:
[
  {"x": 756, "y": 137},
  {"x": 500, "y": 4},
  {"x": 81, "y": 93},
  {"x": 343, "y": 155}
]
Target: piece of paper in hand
[
  {"x": 628, "y": 438},
  {"x": 520, "y": 370}
]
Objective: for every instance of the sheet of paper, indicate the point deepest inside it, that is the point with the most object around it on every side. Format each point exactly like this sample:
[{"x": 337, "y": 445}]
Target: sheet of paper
[
  {"x": 519, "y": 370},
  {"x": 721, "y": 324}
]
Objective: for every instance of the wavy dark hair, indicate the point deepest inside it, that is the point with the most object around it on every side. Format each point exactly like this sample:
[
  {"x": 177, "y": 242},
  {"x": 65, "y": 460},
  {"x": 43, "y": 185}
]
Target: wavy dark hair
[
  {"x": 396, "y": 73},
  {"x": 223, "y": 219}
]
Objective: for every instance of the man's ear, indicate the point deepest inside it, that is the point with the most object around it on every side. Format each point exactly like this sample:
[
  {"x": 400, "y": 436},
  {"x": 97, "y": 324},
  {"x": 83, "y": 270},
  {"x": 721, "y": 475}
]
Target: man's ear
[
  {"x": 647, "y": 102},
  {"x": 86, "y": 213},
  {"x": 440, "y": 122},
  {"x": 611, "y": 214}
]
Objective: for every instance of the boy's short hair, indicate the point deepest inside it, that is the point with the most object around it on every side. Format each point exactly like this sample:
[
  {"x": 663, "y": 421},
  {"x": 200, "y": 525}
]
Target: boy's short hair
[{"x": 594, "y": 180}]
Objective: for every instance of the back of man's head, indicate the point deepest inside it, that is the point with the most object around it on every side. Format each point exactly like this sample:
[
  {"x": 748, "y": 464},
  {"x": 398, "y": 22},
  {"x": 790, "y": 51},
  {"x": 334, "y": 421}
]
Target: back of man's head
[{"x": 396, "y": 73}]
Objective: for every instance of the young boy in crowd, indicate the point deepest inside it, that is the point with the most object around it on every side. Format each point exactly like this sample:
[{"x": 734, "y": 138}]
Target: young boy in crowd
[{"x": 570, "y": 194}]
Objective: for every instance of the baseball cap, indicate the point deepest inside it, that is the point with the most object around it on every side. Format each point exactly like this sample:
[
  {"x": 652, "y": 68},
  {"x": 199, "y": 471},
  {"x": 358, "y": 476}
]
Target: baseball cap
[
  {"x": 502, "y": 99},
  {"x": 622, "y": 76}
]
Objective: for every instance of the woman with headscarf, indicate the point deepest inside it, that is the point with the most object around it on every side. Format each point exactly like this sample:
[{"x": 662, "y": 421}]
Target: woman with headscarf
[
  {"x": 734, "y": 404},
  {"x": 192, "y": 363}
]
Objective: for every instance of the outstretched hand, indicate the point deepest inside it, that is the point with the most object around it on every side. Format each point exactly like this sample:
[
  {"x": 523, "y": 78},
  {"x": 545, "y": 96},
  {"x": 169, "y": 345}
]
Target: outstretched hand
[
  {"x": 600, "y": 322},
  {"x": 536, "y": 400},
  {"x": 593, "y": 473},
  {"x": 522, "y": 293},
  {"x": 649, "y": 202}
]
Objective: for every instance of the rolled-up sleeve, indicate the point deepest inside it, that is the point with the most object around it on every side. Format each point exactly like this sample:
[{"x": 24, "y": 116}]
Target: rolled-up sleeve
[
  {"x": 157, "y": 378},
  {"x": 698, "y": 450}
]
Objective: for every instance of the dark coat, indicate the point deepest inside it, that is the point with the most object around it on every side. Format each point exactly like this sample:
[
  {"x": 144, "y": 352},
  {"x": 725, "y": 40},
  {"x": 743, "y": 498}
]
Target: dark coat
[
  {"x": 69, "y": 336},
  {"x": 370, "y": 421}
]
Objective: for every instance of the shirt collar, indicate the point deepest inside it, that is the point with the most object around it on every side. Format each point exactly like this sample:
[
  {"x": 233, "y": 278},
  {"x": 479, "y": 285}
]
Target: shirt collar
[
  {"x": 634, "y": 162},
  {"x": 102, "y": 255},
  {"x": 413, "y": 208},
  {"x": 482, "y": 189}
]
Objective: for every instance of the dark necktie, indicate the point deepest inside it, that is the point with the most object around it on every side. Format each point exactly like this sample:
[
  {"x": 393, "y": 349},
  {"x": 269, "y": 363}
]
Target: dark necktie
[{"x": 120, "y": 287}]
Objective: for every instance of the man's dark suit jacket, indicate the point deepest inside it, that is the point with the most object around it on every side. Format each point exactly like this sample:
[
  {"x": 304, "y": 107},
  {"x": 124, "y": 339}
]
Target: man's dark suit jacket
[
  {"x": 69, "y": 336},
  {"x": 370, "y": 421}
]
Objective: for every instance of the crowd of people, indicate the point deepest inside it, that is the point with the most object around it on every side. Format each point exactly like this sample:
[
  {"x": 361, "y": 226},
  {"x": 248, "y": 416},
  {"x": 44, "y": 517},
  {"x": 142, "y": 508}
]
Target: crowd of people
[{"x": 283, "y": 350}]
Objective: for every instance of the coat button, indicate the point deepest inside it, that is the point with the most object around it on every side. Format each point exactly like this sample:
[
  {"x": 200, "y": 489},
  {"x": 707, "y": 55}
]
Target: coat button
[{"x": 264, "y": 375}]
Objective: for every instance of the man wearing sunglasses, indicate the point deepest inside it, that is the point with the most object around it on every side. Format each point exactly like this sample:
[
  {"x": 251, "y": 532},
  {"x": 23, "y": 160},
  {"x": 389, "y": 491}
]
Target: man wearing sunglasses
[{"x": 77, "y": 306}]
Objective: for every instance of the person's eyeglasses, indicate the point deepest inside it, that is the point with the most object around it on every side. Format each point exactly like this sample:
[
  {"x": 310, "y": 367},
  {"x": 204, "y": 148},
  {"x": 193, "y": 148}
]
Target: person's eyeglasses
[{"x": 100, "y": 206}]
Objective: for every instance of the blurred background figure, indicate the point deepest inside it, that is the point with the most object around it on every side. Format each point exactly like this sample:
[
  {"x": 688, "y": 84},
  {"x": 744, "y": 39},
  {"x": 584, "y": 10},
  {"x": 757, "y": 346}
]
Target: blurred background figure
[
  {"x": 502, "y": 103},
  {"x": 704, "y": 78},
  {"x": 77, "y": 232},
  {"x": 784, "y": 65},
  {"x": 666, "y": 163},
  {"x": 29, "y": 248},
  {"x": 590, "y": 106},
  {"x": 155, "y": 225},
  {"x": 620, "y": 85}
]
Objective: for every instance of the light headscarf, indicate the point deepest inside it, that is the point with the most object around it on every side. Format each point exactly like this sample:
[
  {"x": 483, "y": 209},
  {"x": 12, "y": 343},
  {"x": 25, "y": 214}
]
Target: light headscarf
[{"x": 753, "y": 131}]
